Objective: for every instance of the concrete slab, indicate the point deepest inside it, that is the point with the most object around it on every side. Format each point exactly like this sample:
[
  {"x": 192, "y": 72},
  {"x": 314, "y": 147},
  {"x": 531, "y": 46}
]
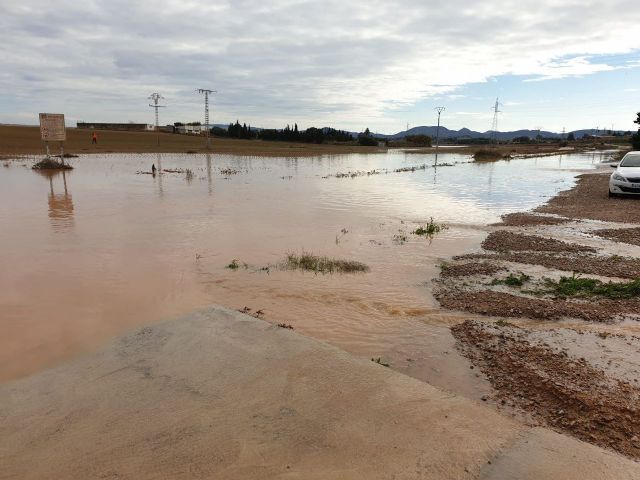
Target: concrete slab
[{"x": 219, "y": 394}]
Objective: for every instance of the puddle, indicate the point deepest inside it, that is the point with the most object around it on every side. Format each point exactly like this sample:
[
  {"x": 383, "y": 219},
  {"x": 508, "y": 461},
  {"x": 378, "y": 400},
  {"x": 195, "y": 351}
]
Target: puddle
[{"x": 99, "y": 250}]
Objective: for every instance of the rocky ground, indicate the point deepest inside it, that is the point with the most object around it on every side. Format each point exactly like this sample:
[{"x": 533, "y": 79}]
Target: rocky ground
[{"x": 556, "y": 294}]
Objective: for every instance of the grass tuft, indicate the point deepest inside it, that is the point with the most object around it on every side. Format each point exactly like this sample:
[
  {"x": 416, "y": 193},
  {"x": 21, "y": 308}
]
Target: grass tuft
[
  {"x": 575, "y": 286},
  {"x": 430, "y": 229},
  {"x": 512, "y": 280},
  {"x": 315, "y": 263}
]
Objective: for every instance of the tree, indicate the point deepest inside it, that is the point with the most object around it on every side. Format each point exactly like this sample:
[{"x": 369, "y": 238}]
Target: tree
[
  {"x": 635, "y": 138},
  {"x": 571, "y": 137}
]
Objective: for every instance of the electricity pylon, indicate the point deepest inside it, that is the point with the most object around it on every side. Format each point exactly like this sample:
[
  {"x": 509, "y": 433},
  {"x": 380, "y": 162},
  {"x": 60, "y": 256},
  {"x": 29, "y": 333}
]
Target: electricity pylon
[
  {"x": 156, "y": 97},
  {"x": 206, "y": 93},
  {"x": 439, "y": 110}
]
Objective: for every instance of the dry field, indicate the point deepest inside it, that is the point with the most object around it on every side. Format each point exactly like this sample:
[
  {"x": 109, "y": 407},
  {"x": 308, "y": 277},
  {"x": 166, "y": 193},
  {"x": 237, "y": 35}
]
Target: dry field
[{"x": 25, "y": 140}]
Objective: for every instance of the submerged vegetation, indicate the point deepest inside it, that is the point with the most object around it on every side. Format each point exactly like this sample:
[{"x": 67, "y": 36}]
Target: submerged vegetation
[
  {"x": 430, "y": 229},
  {"x": 51, "y": 164},
  {"x": 319, "y": 264},
  {"x": 235, "y": 265}
]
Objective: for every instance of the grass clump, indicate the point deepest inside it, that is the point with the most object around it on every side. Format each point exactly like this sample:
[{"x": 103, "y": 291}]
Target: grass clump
[
  {"x": 430, "y": 229},
  {"x": 235, "y": 265},
  {"x": 51, "y": 164},
  {"x": 504, "y": 323},
  {"x": 512, "y": 280},
  {"x": 487, "y": 155},
  {"x": 318, "y": 264},
  {"x": 575, "y": 286}
]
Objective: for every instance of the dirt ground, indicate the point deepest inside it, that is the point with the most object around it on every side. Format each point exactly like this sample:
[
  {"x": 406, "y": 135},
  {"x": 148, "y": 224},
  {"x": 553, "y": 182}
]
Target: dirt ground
[
  {"x": 519, "y": 219},
  {"x": 563, "y": 391},
  {"x": 502, "y": 241},
  {"x": 623, "y": 235},
  {"x": 590, "y": 200},
  {"x": 567, "y": 362},
  {"x": 25, "y": 140}
]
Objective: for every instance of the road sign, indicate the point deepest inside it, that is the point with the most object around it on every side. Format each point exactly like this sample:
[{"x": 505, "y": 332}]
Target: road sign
[{"x": 52, "y": 127}]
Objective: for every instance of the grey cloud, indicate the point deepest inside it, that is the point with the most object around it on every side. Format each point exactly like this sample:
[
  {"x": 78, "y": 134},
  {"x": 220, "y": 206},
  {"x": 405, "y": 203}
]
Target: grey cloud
[{"x": 305, "y": 59}]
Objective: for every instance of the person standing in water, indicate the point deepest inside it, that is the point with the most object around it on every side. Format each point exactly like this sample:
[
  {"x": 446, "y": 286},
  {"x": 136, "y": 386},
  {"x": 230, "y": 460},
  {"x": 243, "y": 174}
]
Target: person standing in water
[
  {"x": 153, "y": 169},
  {"x": 94, "y": 138}
]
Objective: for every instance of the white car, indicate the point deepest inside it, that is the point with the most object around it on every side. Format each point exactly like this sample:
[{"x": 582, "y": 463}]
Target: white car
[{"x": 626, "y": 179}]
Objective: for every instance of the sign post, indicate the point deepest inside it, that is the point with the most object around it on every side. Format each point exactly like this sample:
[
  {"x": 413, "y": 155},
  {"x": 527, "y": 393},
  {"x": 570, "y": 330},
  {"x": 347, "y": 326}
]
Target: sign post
[{"x": 52, "y": 129}]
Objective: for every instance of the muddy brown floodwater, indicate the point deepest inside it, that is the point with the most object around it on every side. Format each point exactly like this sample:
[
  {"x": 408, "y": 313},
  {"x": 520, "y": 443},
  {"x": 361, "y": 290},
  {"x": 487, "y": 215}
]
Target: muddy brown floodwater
[{"x": 96, "y": 251}]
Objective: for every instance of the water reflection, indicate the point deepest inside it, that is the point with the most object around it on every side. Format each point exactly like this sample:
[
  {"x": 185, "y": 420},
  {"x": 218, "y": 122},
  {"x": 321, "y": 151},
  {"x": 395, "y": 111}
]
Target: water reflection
[
  {"x": 158, "y": 176},
  {"x": 209, "y": 176},
  {"x": 60, "y": 204}
]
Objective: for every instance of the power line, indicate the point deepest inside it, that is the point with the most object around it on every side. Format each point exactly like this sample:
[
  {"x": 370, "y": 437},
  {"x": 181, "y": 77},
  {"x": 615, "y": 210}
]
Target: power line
[
  {"x": 156, "y": 97},
  {"x": 206, "y": 93}
]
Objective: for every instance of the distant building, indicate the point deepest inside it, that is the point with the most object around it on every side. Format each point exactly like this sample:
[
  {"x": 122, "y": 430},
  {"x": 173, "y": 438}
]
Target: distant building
[
  {"x": 133, "y": 127},
  {"x": 190, "y": 129}
]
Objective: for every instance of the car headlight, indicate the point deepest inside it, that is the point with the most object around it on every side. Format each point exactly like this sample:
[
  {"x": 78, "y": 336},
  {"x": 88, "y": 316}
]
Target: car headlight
[{"x": 618, "y": 177}]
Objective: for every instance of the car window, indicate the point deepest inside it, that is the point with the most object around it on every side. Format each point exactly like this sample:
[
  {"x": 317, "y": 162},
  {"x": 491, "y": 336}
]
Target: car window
[{"x": 631, "y": 160}]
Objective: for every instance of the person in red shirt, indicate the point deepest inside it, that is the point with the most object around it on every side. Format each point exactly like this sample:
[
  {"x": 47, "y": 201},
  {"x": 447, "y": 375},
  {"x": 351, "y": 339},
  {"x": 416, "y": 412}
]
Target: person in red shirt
[{"x": 94, "y": 138}]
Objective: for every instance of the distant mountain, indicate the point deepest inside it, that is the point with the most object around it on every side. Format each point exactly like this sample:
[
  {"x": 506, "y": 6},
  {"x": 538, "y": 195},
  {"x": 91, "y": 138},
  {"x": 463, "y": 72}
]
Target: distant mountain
[{"x": 465, "y": 133}]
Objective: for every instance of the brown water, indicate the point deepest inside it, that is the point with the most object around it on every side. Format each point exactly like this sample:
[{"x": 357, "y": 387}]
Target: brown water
[{"x": 96, "y": 251}]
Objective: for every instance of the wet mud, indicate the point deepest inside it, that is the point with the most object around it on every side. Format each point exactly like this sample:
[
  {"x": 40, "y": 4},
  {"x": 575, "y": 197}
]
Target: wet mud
[
  {"x": 520, "y": 219},
  {"x": 504, "y": 241},
  {"x": 623, "y": 235},
  {"x": 602, "y": 265},
  {"x": 554, "y": 387},
  {"x": 581, "y": 380},
  {"x": 590, "y": 200}
]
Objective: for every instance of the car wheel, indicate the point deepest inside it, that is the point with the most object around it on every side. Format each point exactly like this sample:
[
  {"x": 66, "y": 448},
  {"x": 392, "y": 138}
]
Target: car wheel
[{"x": 612, "y": 195}]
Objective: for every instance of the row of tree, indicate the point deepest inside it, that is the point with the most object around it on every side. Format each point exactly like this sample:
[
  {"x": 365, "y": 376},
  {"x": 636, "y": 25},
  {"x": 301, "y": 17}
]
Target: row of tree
[{"x": 287, "y": 134}]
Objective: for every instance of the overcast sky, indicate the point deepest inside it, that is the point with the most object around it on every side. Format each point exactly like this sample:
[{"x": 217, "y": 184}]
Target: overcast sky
[{"x": 348, "y": 64}]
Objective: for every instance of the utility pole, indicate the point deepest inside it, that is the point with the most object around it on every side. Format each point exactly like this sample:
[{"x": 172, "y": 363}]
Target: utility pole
[
  {"x": 564, "y": 131},
  {"x": 439, "y": 110},
  {"x": 206, "y": 93},
  {"x": 538, "y": 138},
  {"x": 494, "y": 124},
  {"x": 156, "y": 97}
]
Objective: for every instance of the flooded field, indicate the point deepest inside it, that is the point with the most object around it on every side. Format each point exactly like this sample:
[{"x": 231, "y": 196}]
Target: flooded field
[{"x": 96, "y": 251}]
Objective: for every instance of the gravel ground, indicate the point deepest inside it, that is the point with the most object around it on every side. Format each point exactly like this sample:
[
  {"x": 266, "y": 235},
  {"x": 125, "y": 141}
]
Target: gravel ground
[
  {"x": 623, "y": 235},
  {"x": 471, "y": 268},
  {"x": 502, "y": 241},
  {"x": 566, "y": 393},
  {"x": 529, "y": 219},
  {"x": 502, "y": 304},
  {"x": 589, "y": 199},
  {"x": 603, "y": 265}
]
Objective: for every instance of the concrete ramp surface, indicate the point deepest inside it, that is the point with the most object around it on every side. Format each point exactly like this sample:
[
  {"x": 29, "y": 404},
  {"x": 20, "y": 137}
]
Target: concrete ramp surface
[{"x": 221, "y": 395}]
